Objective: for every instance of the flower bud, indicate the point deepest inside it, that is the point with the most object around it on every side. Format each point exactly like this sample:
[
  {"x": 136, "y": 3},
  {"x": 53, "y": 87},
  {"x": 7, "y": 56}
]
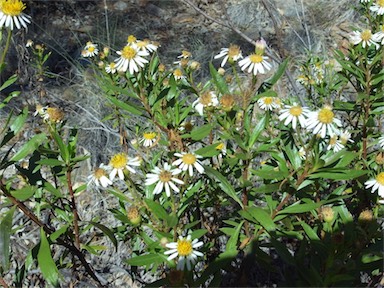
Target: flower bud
[
  {"x": 134, "y": 215},
  {"x": 327, "y": 214}
]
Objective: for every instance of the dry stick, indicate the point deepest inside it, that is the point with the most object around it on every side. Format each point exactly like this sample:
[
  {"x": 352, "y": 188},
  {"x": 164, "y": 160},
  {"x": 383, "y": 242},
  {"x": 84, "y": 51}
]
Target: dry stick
[
  {"x": 249, "y": 40},
  {"x": 3, "y": 283},
  {"x": 50, "y": 230}
]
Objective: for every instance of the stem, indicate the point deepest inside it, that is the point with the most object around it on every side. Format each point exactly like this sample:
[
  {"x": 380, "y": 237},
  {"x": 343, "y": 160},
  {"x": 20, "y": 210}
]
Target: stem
[
  {"x": 3, "y": 283},
  {"x": 9, "y": 37},
  {"x": 74, "y": 210}
]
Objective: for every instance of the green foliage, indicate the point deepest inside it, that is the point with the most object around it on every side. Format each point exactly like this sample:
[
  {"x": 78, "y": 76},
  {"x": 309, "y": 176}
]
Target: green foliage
[{"x": 212, "y": 172}]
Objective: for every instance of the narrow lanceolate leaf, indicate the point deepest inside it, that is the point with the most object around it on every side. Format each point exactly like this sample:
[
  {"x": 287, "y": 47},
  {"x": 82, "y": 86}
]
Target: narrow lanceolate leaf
[
  {"x": 261, "y": 216},
  {"x": 29, "y": 147},
  {"x": 218, "y": 80},
  {"x": 107, "y": 232},
  {"x": 5, "y": 234},
  {"x": 223, "y": 183},
  {"x": 19, "y": 121},
  {"x": 232, "y": 242},
  {"x": 46, "y": 264},
  {"x": 127, "y": 106},
  {"x": 260, "y": 126},
  {"x": 147, "y": 259}
]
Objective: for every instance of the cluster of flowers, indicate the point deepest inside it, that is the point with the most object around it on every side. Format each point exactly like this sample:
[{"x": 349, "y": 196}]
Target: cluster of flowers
[
  {"x": 132, "y": 56},
  {"x": 164, "y": 179},
  {"x": 255, "y": 63}
]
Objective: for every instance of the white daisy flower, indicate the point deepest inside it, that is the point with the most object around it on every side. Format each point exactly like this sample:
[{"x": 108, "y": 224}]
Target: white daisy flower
[
  {"x": 185, "y": 249},
  {"x": 187, "y": 161},
  {"x": 11, "y": 14},
  {"x": 255, "y": 63},
  {"x": 378, "y": 7},
  {"x": 323, "y": 122},
  {"x": 335, "y": 144},
  {"x": 149, "y": 138},
  {"x": 376, "y": 184},
  {"x": 178, "y": 74},
  {"x": 146, "y": 45},
  {"x": 119, "y": 162},
  {"x": 233, "y": 53},
  {"x": 207, "y": 99},
  {"x": 130, "y": 59},
  {"x": 345, "y": 137},
  {"x": 90, "y": 50},
  {"x": 381, "y": 141},
  {"x": 165, "y": 180},
  {"x": 365, "y": 37},
  {"x": 185, "y": 54},
  {"x": 99, "y": 177},
  {"x": 268, "y": 103},
  {"x": 111, "y": 68},
  {"x": 293, "y": 114}
]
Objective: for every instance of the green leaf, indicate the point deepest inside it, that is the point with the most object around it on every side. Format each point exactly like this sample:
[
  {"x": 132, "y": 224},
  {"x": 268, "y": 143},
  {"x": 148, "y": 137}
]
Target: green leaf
[
  {"x": 44, "y": 258},
  {"x": 208, "y": 151},
  {"x": 223, "y": 183},
  {"x": 260, "y": 126},
  {"x": 262, "y": 217},
  {"x": 201, "y": 132},
  {"x": 106, "y": 232},
  {"x": 232, "y": 241},
  {"x": 300, "y": 208},
  {"x": 157, "y": 209},
  {"x": 338, "y": 174},
  {"x": 64, "y": 151},
  {"x": 147, "y": 260},
  {"x": 293, "y": 156},
  {"x": 24, "y": 193},
  {"x": 309, "y": 231},
  {"x": 5, "y": 234},
  {"x": 218, "y": 80},
  {"x": 19, "y": 121},
  {"x": 9, "y": 82},
  {"x": 129, "y": 107},
  {"x": 50, "y": 162},
  {"x": 29, "y": 147}
]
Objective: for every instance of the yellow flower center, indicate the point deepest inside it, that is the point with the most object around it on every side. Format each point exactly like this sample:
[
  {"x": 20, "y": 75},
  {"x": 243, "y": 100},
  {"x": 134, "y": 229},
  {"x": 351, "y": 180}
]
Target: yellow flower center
[
  {"x": 380, "y": 3},
  {"x": 233, "y": 51},
  {"x": 177, "y": 73},
  {"x": 189, "y": 159},
  {"x": 149, "y": 135},
  {"x": 55, "y": 114},
  {"x": 206, "y": 99},
  {"x": 99, "y": 172},
  {"x": 165, "y": 176},
  {"x": 380, "y": 178},
  {"x": 295, "y": 111},
  {"x": 142, "y": 44},
  {"x": 128, "y": 53},
  {"x": 333, "y": 140},
  {"x": 255, "y": 58},
  {"x": 112, "y": 65},
  {"x": 220, "y": 146},
  {"x": 185, "y": 54},
  {"x": 12, "y": 7},
  {"x": 366, "y": 34},
  {"x": 325, "y": 116},
  {"x": 91, "y": 49},
  {"x": 268, "y": 100},
  {"x": 119, "y": 161},
  {"x": 184, "y": 247},
  {"x": 131, "y": 39}
]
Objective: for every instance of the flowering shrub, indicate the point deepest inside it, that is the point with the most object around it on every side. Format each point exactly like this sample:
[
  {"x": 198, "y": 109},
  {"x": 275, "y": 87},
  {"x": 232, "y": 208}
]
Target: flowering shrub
[{"x": 225, "y": 174}]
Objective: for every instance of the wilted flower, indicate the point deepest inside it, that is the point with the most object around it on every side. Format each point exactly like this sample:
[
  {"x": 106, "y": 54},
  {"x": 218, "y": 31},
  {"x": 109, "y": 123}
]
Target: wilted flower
[{"x": 99, "y": 177}]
